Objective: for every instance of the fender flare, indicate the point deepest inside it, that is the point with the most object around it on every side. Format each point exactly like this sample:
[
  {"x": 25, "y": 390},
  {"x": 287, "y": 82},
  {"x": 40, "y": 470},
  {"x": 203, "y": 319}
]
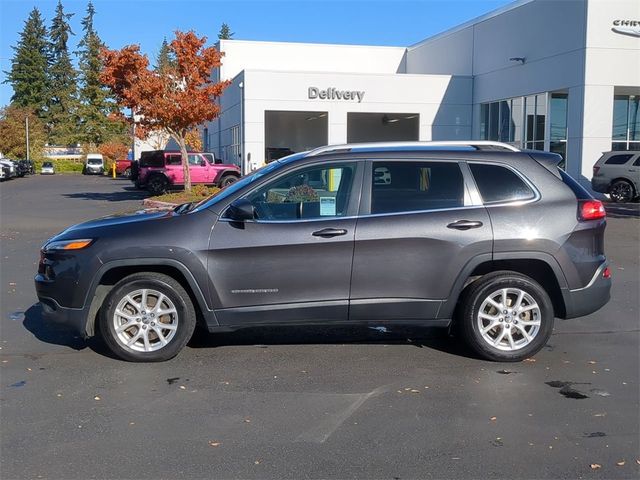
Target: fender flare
[
  {"x": 91, "y": 307},
  {"x": 449, "y": 305}
]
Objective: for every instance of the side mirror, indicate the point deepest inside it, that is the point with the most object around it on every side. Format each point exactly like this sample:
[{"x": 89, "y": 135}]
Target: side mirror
[{"x": 241, "y": 210}]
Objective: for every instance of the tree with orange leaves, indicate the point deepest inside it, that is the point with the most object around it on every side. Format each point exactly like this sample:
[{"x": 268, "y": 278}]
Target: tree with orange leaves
[{"x": 175, "y": 99}]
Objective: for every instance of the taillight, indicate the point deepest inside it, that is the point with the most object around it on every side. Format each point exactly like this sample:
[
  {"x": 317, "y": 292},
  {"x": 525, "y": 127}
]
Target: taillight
[
  {"x": 606, "y": 273},
  {"x": 591, "y": 210},
  {"x": 596, "y": 170}
]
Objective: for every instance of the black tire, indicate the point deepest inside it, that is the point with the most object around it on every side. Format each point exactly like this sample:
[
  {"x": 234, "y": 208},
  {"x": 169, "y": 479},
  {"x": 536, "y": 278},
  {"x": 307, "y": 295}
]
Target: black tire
[
  {"x": 157, "y": 185},
  {"x": 473, "y": 300},
  {"x": 621, "y": 191},
  {"x": 174, "y": 292},
  {"x": 84, "y": 171},
  {"x": 227, "y": 180},
  {"x": 127, "y": 173}
]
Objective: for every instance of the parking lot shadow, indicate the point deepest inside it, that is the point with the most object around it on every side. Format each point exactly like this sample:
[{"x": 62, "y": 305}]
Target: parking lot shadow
[
  {"x": 126, "y": 194},
  {"x": 421, "y": 337},
  {"x": 50, "y": 332}
]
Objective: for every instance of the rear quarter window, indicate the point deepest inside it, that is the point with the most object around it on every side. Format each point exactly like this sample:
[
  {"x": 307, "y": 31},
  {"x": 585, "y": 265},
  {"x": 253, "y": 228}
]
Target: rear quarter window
[
  {"x": 618, "y": 159},
  {"x": 499, "y": 184}
]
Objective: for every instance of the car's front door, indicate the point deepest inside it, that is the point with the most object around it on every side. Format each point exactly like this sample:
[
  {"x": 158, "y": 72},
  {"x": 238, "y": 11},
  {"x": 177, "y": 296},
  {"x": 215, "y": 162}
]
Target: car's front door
[
  {"x": 416, "y": 233},
  {"x": 293, "y": 262}
]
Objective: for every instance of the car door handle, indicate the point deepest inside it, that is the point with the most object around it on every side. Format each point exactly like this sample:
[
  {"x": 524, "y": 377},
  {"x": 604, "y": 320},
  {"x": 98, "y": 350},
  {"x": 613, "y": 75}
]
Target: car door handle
[
  {"x": 329, "y": 232},
  {"x": 465, "y": 224}
]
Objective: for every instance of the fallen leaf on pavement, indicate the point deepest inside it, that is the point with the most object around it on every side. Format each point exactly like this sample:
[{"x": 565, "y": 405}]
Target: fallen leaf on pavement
[
  {"x": 592, "y": 362},
  {"x": 530, "y": 360},
  {"x": 620, "y": 463},
  {"x": 493, "y": 419},
  {"x": 595, "y": 466},
  {"x": 214, "y": 444},
  {"x": 97, "y": 397},
  {"x": 182, "y": 387},
  {"x": 415, "y": 391}
]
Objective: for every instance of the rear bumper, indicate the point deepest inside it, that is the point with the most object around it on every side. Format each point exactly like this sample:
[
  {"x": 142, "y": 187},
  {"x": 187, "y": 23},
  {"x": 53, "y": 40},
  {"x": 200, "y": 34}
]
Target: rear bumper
[
  {"x": 600, "y": 185},
  {"x": 588, "y": 299}
]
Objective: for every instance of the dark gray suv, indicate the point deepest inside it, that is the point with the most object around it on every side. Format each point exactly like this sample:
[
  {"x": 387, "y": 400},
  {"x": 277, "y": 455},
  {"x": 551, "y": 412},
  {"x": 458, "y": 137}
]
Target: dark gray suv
[{"x": 490, "y": 242}]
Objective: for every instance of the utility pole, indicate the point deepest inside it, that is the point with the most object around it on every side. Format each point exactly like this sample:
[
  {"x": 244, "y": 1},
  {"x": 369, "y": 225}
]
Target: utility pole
[{"x": 26, "y": 123}]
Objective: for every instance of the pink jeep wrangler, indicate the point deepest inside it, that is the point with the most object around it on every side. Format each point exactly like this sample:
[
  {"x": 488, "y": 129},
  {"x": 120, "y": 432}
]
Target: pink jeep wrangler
[{"x": 160, "y": 170}]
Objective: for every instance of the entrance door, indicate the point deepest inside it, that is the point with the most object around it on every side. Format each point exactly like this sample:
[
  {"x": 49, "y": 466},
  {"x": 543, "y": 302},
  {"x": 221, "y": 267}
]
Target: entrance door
[{"x": 293, "y": 262}]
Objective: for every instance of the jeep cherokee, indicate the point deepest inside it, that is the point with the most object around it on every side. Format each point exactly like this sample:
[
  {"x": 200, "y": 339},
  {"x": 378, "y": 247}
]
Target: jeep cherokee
[{"x": 479, "y": 237}]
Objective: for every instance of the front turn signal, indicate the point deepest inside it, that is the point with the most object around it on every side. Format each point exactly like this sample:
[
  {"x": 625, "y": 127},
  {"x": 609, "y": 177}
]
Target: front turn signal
[{"x": 78, "y": 244}]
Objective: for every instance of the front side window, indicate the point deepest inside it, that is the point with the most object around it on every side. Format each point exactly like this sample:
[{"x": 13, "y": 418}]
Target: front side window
[
  {"x": 499, "y": 184},
  {"x": 415, "y": 186},
  {"x": 195, "y": 160},
  {"x": 313, "y": 192}
]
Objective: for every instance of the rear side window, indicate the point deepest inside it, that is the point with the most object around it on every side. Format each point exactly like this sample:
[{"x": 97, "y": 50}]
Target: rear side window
[
  {"x": 637, "y": 162},
  {"x": 499, "y": 184},
  {"x": 415, "y": 186},
  {"x": 618, "y": 159},
  {"x": 152, "y": 159},
  {"x": 174, "y": 160}
]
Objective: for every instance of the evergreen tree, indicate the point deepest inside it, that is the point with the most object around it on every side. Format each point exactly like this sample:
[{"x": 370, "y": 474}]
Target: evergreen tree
[
  {"x": 95, "y": 102},
  {"x": 166, "y": 58},
  {"x": 28, "y": 75},
  {"x": 225, "y": 32},
  {"x": 62, "y": 105}
]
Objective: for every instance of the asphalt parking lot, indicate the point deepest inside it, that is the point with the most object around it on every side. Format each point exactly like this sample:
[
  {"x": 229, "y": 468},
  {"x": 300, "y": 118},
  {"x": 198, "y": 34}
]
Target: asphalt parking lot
[{"x": 306, "y": 402}]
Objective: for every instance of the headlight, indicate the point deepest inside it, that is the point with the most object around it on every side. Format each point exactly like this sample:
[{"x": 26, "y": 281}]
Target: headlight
[{"x": 68, "y": 244}]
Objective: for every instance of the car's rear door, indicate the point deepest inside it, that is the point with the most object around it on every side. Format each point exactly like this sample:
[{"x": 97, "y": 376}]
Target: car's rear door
[
  {"x": 293, "y": 262},
  {"x": 419, "y": 227}
]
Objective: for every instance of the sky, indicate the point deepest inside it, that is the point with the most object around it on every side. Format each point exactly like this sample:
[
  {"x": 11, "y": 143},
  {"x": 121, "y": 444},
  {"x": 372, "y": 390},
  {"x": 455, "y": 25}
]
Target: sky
[{"x": 147, "y": 22}]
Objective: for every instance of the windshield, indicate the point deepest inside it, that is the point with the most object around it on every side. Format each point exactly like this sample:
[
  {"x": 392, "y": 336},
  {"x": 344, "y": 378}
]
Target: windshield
[
  {"x": 244, "y": 181},
  {"x": 47, "y": 164},
  {"x": 94, "y": 161}
]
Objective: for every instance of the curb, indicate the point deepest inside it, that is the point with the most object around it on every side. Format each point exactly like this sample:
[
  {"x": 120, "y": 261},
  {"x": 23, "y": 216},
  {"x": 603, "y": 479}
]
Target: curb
[{"x": 148, "y": 203}]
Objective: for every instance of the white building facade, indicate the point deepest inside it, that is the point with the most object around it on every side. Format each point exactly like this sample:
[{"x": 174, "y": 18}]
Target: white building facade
[{"x": 554, "y": 75}]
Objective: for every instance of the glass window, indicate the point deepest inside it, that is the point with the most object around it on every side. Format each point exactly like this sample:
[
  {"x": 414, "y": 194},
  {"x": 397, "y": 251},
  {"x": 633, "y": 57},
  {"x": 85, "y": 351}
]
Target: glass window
[
  {"x": 195, "y": 159},
  {"x": 516, "y": 120},
  {"x": 541, "y": 117},
  {"x": 504, "y": 130},
  {"x": 634, "y": 118},
  {"x": 618, "y": 159},
  {"x": 493, "y": 121},
  {"x": 175, "y": 159},
  {"x": 484, "y": 121},
  {"x": 620, "y": 107},
  {"x": 637, "y": 162},
  {"x": 313, "y": 192},
  {"x": 416, "y": 186},
  {"x": 499, "y": 184}
]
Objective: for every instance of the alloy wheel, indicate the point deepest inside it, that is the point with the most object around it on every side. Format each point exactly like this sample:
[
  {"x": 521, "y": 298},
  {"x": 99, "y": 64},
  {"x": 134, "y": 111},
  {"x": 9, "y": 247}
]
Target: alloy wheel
[
  {"x": 145, "y": 320},
  {"x": 509, "y": 319}
]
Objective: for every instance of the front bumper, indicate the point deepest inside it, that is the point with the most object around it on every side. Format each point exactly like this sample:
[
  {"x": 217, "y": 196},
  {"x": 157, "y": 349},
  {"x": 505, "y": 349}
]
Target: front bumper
[
  {"x": 583, "y": 301},
  {"x": 74, "y": 318}
]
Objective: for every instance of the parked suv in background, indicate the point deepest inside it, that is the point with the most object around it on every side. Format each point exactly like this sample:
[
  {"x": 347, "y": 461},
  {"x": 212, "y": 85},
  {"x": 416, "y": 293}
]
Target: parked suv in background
[
  {"x": 618, "y": 174},
  {"x": 159, "y": 171},
  {"x": 479, "y": 237}
]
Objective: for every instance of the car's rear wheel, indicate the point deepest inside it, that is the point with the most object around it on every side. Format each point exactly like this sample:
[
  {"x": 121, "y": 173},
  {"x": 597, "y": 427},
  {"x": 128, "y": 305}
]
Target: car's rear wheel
[
  {"x": 147, "y": 317},
  {"x": 157, "y": 185},
  {"x": 127, "y": 173},
  {"x": 227, "y": 180},
  {"x": 621, "y": 191},
  {"x": 506, "y": 316}
]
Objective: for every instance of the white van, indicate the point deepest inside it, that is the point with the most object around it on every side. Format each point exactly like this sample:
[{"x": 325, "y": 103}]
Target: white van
[{"x": 93, "y": 165}]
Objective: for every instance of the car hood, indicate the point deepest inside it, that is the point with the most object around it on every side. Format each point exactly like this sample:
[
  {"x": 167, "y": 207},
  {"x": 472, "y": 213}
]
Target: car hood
[{"x": 85, "y": 228}]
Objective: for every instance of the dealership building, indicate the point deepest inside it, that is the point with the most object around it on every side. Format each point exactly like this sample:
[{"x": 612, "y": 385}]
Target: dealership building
[{"x": 554, "y": 75}]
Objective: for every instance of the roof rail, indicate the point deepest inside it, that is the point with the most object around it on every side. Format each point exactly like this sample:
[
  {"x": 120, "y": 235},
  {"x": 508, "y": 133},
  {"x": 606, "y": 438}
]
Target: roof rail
[{"x": 476, "y": 144}]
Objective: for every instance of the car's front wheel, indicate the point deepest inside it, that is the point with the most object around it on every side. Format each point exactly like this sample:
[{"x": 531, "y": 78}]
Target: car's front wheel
[
  {"x": 506, "y": 316},
  {"x": 227, "y": 180},
  {"x": 147, "y": 317}
]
